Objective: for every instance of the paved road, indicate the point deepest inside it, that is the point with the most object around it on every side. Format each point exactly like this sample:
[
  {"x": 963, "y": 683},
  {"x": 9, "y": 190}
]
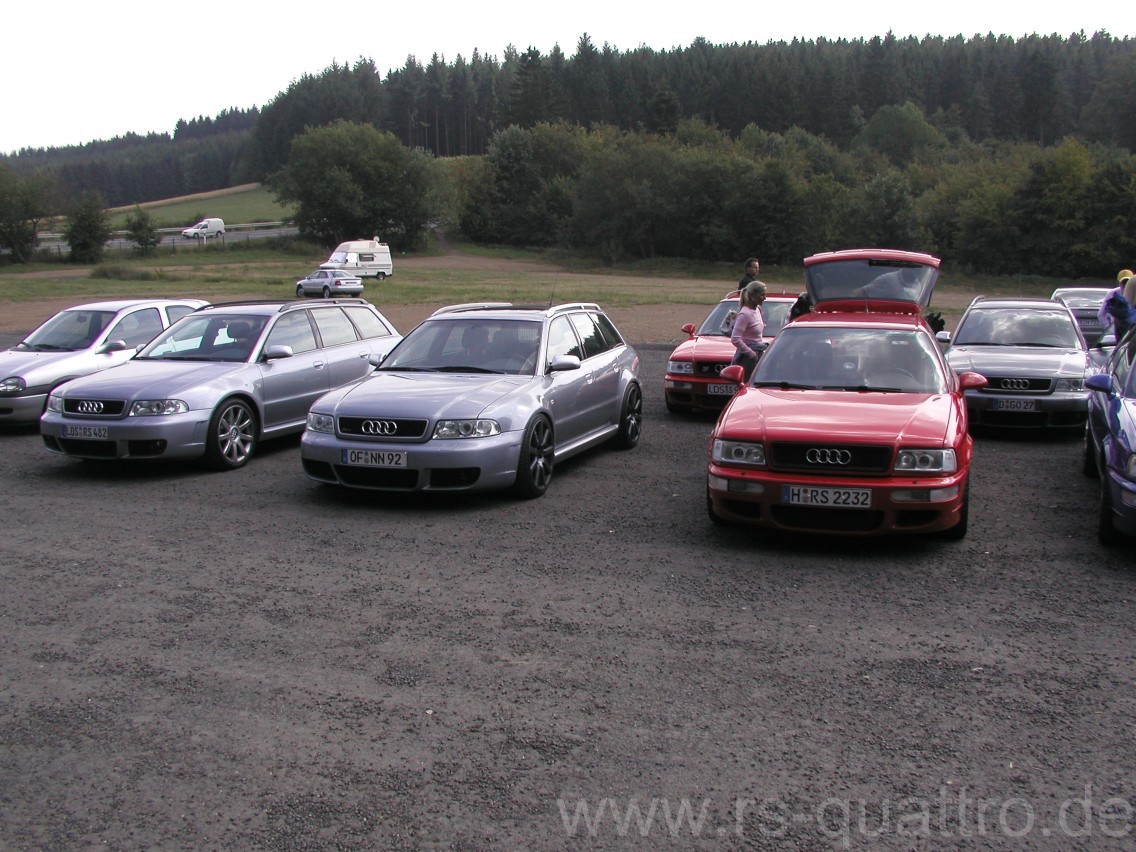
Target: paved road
[{"x": 250, "y": 660}]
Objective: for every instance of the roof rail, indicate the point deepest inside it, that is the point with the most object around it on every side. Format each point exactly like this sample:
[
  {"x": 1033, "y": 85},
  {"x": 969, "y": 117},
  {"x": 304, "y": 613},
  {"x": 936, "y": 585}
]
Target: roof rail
[{"x": 471, "y": 306}]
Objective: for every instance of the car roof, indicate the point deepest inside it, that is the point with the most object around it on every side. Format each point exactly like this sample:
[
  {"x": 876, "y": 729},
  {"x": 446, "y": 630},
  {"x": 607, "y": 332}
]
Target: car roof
[
  {"x": 276, "y": 306},
  {"x": 120, "y": 304},
  {"x": 1018, "y": 302}
]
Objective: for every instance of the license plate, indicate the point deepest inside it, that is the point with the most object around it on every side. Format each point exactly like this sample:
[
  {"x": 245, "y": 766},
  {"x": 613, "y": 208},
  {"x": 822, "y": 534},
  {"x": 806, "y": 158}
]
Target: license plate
[
  {"x": 373, "y": 458},
  {"x": 89, "y": 432},
  {"x": 1015, "y": 405},
  {"x": 845, "y": 498},
  {"x": 721, "y": 390}
]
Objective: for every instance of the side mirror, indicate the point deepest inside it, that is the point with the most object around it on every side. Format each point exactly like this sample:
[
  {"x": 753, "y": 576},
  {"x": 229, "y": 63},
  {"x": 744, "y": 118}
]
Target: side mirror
[
  {"x": 943, "y": 336},
  {"x": 377, "y": 358},
  {"x": 563, "y": 362},
  {"x": 111, "y": 346},
  {"x": 968, "y": 380},
  {"x": 688, "y": 328},
  {"x": 1100, "y": 382},
  {"x": 734, "y": 373},
  {"x": 276, "y": 351}
]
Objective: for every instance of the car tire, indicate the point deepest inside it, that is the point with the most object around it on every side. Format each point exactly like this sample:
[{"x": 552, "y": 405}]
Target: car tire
[
  {"x": 326, "y": 292},
  {"x": 382, "y": 276},
  {"x": 630, "y": 418},
  {"x": 534, "y": 467},
  {"x": 1107, "y": 534},
  {"x": 232, "y": 436},
  {"x": 1089, "y": 457},
  {"x": 299, "y": 291},
  {"x": 958, "y": 531}
]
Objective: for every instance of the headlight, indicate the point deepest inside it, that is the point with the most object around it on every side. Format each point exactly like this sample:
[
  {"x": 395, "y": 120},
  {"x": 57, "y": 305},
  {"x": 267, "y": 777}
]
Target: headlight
[
  {"x": 738, "y": 452},
  {"x": 466, "y": 428},
  {"x": 926, "y": 461},
  {"x": 321, "y": 423},
  {"x": 12, "y": 384},
  {"x": 157, "y": 407},
  {"x": 54, "y": 403},
  {"x": 1068, "y": 385},
  {"x": 685, "y": 368}
]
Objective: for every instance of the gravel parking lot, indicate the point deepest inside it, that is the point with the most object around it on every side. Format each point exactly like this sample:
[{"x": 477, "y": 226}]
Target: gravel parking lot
[{"x": 251, "y": 660}]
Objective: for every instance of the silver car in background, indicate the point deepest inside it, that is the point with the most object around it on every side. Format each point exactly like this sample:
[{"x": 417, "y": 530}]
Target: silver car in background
[
  {"x": 217, "y": 382},
  {"x": 480, "y": 397},
  {"x": 76, "y": 342},
  {"x": 1034, "y": 358},
  {"x": 328, "y": 283}
]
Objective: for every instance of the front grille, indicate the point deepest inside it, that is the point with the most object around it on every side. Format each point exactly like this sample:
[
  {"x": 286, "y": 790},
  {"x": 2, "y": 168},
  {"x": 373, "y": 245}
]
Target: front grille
[
  {"x": 403, "y": 428},
  {"x": 88, "y": 449},
  {"x": 94, "y": 407},
  {"x": 710, "y": 369},
  {"x": 364, "y": 477},
  {"x": 861, "y": 458},
  {"x": 1016, "y": 384},
  {"x": 831, "y": 520}
]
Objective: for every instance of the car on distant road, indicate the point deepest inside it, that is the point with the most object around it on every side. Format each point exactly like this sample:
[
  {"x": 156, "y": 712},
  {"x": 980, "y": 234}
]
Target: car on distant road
[
  {"x": 328, "y": 283},
  {"x": 852, "y": 423},
  {"x": 218, "y": 382},
  {"x": 1110, "y": 443},
  {"x": 1035, "y": 360},
  {"x": 76, "y": 342},
  {"x": 480, "y": 397},
  {"x": 1085, "y": 304},
  {"x": 693, "y": 379},
  {"x": 205, "y": 229}
]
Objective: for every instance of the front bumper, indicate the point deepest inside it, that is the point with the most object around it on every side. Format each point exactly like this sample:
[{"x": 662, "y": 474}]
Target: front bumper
[
  {"x": 1054, "y": 411},
  {"x": 21, "y": 409},
  {"x": 755, "y": 497},
  {"x": 463, "y": 464},
  {"x": 175, "y": 436}
]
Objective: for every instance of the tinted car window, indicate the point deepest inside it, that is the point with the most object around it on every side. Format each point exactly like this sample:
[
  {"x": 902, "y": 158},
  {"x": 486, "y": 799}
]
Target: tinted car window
[
  {"x": 334, "y": 327},
  {"x": 562, "y": 340},
  {"x": 367, "y": 323},
  {"x": 610, "y": 333},
  {"x": 137, "y": 328},
  {"x": 176, "y": 312},
  {"x": 594, "y": 343},
  {"x": 293, "y": 330}
]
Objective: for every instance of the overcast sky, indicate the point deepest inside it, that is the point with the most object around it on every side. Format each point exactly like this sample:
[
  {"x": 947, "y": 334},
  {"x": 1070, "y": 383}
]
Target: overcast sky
[{"x": 74, "y": 71}]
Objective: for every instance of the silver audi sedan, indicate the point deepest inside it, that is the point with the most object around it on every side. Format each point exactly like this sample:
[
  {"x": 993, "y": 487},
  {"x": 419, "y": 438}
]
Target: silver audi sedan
[
  {"x": 76, "y": 342},
  {"x": 218, "y": 382},
  {"x": 480, "y": 397}
]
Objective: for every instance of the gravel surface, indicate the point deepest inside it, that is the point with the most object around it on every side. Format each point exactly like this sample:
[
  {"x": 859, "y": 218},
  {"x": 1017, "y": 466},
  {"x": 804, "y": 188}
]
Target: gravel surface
[{"x": 251, "y": 660}]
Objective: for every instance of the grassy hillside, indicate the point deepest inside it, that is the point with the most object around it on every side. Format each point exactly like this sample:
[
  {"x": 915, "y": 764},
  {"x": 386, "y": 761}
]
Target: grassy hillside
[{"x": 245, "y": 204}]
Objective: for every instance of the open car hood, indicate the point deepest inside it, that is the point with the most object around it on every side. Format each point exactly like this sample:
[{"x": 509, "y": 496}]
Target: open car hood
[{"x": 871, "y": 280}]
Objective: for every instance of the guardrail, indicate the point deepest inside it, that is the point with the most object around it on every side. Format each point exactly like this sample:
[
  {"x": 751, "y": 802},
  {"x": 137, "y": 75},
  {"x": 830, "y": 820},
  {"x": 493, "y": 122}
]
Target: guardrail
[{"x": 122, "y": 233}]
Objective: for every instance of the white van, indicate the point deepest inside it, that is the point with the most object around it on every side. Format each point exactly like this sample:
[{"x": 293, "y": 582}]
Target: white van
[
  {"x": 205, "y": 229},
  {"x": 365, "y": 258}
]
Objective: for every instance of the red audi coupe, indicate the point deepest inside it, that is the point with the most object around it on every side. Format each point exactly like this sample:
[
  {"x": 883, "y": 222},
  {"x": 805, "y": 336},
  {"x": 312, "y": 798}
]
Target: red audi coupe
[{"x": 852, "y": 423}]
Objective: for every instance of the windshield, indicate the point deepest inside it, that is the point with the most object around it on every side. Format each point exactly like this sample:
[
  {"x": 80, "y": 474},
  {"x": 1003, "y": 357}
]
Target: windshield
[
  {"x": 469, "y": 345},
  {"x": 207, "y": 338},
  {"x": 773, "y": 313},
  {"x": 338, "y": 257},
  {"x": 1024, "y": 326},
  {"x": 871, "y": 278},
  {"x": 68, "y": 331},
  {"x": 852, "y": 359}
]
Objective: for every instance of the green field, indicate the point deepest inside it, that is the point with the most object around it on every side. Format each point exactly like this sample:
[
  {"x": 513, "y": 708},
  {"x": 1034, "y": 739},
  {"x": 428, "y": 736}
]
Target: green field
[{"x": 243, "y": 205}]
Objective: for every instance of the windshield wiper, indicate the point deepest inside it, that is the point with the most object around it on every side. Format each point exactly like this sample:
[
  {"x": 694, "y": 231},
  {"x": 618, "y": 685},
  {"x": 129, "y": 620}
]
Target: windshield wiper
[
  {"x": 785, "y": 385},
  {"x": 47, "y": 347},
  {"x": 462, "y": 368}
]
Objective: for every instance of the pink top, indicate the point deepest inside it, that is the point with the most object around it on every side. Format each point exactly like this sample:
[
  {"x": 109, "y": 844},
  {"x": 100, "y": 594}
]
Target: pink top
[{"x": 749, "y": 327}]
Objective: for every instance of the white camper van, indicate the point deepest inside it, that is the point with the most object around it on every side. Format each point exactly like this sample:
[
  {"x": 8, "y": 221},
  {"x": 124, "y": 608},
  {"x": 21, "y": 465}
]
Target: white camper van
[
  {"x": 365, "y": 258},
  {"x": 205, "y": 228}
]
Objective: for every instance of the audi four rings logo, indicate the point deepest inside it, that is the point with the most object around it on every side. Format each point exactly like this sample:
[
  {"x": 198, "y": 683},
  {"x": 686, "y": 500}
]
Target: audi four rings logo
[
  {"x": 378, "y": 427},
  {"x": 822, "y": 456},
  {"x": 1015, "y": 384},
  {"x": 89, "y": 407}
]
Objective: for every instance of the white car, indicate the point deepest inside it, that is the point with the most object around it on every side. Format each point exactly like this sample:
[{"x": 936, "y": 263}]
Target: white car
[{"x": 77, "y": 342}]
